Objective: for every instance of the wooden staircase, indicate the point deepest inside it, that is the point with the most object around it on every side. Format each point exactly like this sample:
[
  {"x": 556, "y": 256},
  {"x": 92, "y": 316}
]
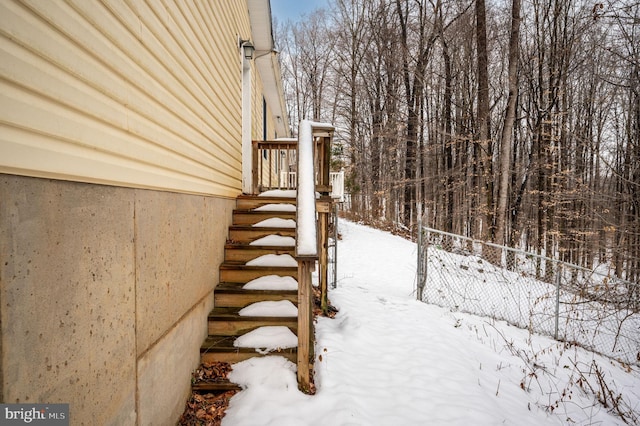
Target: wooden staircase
[
  {"x": 226, "y": 322},
  {"x": 264, "y": 247}
]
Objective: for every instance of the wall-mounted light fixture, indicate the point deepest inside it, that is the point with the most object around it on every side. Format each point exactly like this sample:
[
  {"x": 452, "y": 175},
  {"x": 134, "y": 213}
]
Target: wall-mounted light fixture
[{"x": 247, "y": 49}]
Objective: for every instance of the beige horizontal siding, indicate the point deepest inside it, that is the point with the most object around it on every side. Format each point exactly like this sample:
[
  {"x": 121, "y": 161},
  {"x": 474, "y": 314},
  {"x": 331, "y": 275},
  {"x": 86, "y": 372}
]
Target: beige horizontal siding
[{"x": 124, "y": 92}]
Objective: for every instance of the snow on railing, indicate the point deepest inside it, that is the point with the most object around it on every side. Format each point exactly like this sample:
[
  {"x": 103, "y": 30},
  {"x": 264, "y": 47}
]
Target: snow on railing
[
  {"x": 307, "y": 240},
  {"x": 314, "y": 148}
]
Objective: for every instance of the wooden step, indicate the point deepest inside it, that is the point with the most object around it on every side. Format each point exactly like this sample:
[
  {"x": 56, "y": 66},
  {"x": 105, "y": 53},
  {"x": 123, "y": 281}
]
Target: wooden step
[
  {"x": 221, "y": 349},
  {"x": 243, "y": 253},
  {"x": 250, "y": 202},
  {"x": 214, "y": 387},
  {"x": 240, "y": 273},
  {"x": 249, "y": 217},
  {"x": 224, "y": 322},
  {"x": 227, "y": 322},
  {"x": 247, "y": 233},
  {"x": 232, "y": 295}
]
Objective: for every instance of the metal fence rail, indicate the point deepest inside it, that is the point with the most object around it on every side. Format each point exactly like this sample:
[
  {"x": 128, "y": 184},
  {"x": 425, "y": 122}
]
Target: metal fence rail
[{"x": 589, "y": 307}]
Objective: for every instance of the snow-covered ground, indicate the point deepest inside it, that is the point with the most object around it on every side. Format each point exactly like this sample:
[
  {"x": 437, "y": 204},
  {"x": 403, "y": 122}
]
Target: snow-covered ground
[{"x": 387, "y": 359}]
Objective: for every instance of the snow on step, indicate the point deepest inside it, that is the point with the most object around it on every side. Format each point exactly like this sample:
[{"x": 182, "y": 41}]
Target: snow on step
[
  {"x": 273, "y": 260},
  {"x": 274, "y": 240},
  {"x": 276, "y": 222},
  {"x": 280, "y": 308},
  {"x": 258, "y": 372},
  {"x": 267, "y": 339},
  {"x": 272, "y": 282},
  {"x": 276, "y": 208},
  {"x": 285, "y": 193}
]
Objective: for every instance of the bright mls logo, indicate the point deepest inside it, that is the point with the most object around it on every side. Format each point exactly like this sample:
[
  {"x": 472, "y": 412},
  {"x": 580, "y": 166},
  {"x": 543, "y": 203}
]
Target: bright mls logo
[{"x": 37, "y": 414}]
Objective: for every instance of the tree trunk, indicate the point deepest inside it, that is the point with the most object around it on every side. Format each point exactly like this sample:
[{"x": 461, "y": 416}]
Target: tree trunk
[
  {"x": 507, "y": 129},
  {"x": 483, "y": 141}
]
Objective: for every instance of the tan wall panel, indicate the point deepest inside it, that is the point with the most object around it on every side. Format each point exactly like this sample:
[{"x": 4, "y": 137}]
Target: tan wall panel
[
  {"x": 68, "y": 297},
  {"x": 99, "y": 283},
  {"x": 162, "y": 388},
  {"x": 177, "y": 260}
]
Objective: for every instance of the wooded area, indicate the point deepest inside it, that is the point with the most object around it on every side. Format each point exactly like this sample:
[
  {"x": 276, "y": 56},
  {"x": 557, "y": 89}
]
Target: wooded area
[{"x": 507, "y": 121}]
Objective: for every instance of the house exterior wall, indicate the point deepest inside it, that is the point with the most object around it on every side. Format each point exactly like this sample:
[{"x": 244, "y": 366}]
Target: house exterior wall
[
  {"x": 142, "y": 94},
  {"x": 120, "y": 158}
]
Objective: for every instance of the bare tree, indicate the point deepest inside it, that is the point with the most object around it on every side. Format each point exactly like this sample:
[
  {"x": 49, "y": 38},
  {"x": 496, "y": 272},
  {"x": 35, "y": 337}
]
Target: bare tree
[
  {"x": 483, "y": 151},
  {"x": 506, "y": 140},
  {"x": 414, "y": 87}
]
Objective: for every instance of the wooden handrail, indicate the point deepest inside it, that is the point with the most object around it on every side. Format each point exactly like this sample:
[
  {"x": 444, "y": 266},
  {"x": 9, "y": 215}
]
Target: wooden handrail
[{"x": 312, "y": 234}]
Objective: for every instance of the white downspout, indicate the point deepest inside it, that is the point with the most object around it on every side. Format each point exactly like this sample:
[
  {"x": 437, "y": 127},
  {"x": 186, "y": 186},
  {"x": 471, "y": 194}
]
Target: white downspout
[{"x": 247, "y": 183}]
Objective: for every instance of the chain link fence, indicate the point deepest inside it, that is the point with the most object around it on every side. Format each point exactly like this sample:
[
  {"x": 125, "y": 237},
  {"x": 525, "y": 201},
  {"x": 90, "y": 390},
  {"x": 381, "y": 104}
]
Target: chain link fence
[{"x": 591, "y": 308}]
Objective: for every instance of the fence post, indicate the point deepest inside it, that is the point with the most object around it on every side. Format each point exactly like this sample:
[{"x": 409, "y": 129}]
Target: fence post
[
  {"x": 558, "y": 283},
  {"x": 335, "y": 246},
  {"x": 420, "y": 282},
  {"x": 425, "y": 271}
]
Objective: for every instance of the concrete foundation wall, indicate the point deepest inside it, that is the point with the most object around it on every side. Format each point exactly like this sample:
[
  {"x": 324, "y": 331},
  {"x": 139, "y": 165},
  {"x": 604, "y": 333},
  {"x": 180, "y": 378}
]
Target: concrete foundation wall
[{"x": 104, "y": 293}]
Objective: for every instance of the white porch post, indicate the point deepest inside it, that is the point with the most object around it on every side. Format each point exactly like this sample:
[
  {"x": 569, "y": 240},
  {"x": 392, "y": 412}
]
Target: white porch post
[{"x": 246, "y": 124}]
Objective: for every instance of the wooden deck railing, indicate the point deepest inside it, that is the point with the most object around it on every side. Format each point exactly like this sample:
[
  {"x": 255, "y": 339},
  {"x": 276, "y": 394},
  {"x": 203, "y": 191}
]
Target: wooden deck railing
[
  {"x": 290, "y": 180},
  {"x": 270, "y": 160},
  {"x": 309, "y": 158}
]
